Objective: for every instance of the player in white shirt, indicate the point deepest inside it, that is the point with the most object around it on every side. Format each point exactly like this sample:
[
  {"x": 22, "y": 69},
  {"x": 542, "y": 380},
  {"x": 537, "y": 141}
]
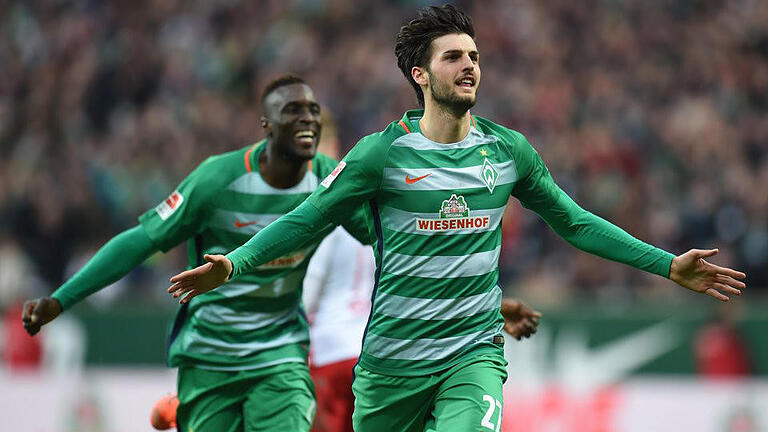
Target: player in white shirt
[{"x": 337, "y": 292}]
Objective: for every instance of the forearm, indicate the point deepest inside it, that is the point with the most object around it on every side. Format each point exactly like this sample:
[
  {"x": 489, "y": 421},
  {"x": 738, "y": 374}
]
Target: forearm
[
  {"x": 595, "y": 235},
  {"x": 113, "y": 261},
  {"x": 289, "y": 233}
]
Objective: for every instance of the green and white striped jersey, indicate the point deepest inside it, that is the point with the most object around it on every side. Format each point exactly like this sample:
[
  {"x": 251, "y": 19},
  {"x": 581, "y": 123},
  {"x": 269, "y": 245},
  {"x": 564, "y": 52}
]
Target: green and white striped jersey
[
  {"x": 255, "y": 320},
  {"x": 436, "y": 211}
]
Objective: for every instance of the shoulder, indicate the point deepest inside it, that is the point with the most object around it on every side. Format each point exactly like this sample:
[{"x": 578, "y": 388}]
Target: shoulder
[
  {"x": 374, "y": 147},
  {"x": 508, "y": 136},
  {"x": 221, "y": 169},
  {"x": 385, "y": 138},
  {"x": 234, "y": 160}
]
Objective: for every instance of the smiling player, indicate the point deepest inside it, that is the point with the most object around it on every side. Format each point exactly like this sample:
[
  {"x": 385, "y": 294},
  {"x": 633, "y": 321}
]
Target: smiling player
[
  {"x": 241, "y": 351},
  {"x": 436, "y": 183}
]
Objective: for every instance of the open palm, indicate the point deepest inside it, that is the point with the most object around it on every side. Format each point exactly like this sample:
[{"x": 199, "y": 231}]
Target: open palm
[
  {"x": 201, "y": 279},
  {"x": 692, "y": 271}
]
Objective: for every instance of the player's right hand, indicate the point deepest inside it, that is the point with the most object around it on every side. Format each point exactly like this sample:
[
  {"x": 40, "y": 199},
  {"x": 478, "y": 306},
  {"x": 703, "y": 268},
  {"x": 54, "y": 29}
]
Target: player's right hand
[
  {"x": 39, "y": 312},
  {"x": 201, "y": 279}
]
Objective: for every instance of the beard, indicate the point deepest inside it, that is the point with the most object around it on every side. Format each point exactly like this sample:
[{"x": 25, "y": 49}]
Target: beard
[{"x": 446, "y": 97}]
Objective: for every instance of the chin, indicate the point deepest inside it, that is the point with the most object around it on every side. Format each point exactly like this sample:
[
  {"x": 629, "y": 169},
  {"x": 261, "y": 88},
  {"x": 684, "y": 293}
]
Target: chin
[{"x": 305, "y": 154}]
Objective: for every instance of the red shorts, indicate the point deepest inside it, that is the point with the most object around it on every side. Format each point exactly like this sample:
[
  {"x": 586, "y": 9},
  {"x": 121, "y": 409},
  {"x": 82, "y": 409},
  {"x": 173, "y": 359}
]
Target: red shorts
[{"x": 333, "y": 384}]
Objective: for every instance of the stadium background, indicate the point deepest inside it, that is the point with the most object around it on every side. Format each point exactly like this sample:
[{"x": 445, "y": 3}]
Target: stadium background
[{"x": 653, "y": 115}]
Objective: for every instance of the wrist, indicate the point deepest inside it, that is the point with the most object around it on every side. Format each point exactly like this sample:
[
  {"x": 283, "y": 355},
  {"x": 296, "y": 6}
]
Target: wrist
[
  {"x": 673, "y": 268},
  {"x": 57, "y": 301},
  {"x": 231, "y": 269},
  {"x": 509, "y": 305}
]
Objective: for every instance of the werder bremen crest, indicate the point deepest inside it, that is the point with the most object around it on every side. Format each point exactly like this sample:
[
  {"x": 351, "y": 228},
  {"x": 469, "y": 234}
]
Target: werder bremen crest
[
  {"x": 489, "y": 174},
  {"x": 454, "y": 207}
]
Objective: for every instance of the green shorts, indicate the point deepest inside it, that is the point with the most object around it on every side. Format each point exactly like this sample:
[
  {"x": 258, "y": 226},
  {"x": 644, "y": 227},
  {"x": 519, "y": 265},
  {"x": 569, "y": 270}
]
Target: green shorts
[
  {"x": 464, "y": 398},
  {"x": 280, "y": 397}
]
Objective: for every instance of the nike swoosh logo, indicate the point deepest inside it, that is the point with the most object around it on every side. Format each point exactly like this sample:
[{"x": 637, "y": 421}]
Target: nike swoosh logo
[
  {"x": 239, "y": 224},
  {"x": 410, "y": 180}
]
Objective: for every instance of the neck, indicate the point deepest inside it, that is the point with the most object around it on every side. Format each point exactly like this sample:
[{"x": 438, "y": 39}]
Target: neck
[
  {"x": 279, "y": 171},
  {"x": 442, "y": 125}
]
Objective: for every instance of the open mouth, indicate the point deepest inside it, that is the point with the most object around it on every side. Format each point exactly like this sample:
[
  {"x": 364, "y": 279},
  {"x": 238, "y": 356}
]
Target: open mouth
[
  {"x": 466, "y": 82},
  {"x": 305, "y": 137}
]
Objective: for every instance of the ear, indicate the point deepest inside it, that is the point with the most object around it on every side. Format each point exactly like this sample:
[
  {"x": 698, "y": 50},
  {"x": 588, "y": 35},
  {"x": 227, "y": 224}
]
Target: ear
[
  {"x": 265, "y": 125},
  {"x": 420, "y": 75}
]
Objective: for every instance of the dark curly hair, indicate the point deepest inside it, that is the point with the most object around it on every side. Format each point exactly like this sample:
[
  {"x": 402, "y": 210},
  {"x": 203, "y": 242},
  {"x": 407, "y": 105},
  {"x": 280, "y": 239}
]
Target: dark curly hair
[{"x": 413, "y": 46}]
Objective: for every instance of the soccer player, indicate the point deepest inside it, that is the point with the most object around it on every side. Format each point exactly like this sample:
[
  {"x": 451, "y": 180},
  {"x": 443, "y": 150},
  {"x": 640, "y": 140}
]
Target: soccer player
[
  {"x": 241, "y": 351},
  {"x": 436, "y": 183}
]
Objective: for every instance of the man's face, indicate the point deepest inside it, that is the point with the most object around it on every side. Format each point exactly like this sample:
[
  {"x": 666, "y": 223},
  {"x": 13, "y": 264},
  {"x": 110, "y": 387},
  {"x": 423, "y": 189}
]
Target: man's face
[
  {"x": 454, "y": 72},
  {"x": 292, "y": 118}
]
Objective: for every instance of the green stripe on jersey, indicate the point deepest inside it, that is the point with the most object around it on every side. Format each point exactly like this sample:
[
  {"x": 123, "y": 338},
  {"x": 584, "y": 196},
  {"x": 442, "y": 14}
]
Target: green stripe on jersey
[
  {"x": 455, "y": 245},
  {"x": 430, "y": 288},
  {"x": 256, "y": 318}
]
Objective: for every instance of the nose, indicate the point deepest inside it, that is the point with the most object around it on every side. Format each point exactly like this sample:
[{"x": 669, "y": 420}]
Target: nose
[
  {"x": 467, "y": 63},
  {"x": 306, "y": 115}
]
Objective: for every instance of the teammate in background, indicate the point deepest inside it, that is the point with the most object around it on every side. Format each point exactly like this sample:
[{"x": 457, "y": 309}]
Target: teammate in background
[
  {"x": 436, "y": 183},
  {"x": 242, "y": 351}
]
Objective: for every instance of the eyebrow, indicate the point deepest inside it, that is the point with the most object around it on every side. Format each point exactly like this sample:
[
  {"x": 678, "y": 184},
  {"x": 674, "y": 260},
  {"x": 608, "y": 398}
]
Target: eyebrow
[
  {"x": 310, "y": 104},
  {"x": 457, "y": 51}
]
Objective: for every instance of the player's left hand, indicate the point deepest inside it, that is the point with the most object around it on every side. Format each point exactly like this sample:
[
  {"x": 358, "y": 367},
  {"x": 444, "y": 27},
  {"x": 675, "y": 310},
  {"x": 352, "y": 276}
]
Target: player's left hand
[
  {"x": 693, "y": 272},
  {"x": 201, "y": 279},
  {"x": 520, "y": 321}
]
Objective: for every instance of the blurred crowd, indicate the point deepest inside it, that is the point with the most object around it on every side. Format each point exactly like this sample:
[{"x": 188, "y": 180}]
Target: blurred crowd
[{"x": 653, "y": 115}]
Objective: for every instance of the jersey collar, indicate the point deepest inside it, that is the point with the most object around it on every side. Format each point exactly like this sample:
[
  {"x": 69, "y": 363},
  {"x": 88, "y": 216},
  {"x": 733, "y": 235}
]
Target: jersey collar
[{"x": 410, "y": 121}]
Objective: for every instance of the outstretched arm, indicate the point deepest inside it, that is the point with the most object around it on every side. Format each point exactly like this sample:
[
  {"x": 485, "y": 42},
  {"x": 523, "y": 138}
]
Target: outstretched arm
[
  {"x": 113, "y": 261},
  {"x": 283, "y": 236},
  {"x": 590, "y": 233}
]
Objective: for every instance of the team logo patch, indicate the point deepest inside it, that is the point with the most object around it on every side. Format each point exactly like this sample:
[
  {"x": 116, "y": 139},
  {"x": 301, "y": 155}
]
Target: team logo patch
[
  {"x": 169, "y": 206},
  {"x": 454, "y": 215},
  {"x": 489, "y": 174},
  {"x": 335, "y": 173}
]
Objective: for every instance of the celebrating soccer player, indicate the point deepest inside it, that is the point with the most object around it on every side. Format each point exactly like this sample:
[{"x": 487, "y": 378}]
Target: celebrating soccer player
[
  {"x": 436, "y": 183},
  {"x": 241, "y": 353}
]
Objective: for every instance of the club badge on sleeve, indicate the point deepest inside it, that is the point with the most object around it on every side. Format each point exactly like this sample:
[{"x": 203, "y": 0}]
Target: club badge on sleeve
[
  {"x": 332, "y": 176},
  {"x": 169, "y": 206}
]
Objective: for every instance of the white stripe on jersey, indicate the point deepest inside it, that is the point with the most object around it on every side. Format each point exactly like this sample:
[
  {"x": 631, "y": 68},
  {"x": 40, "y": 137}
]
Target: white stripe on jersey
[
  {"x": 192, "y": 341},
  {"x": 448, "y": 179},
  {"x": 253, "y": 183},
  {"x": 243, "y": 320},
  {"x": 445, "y": 267}
]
